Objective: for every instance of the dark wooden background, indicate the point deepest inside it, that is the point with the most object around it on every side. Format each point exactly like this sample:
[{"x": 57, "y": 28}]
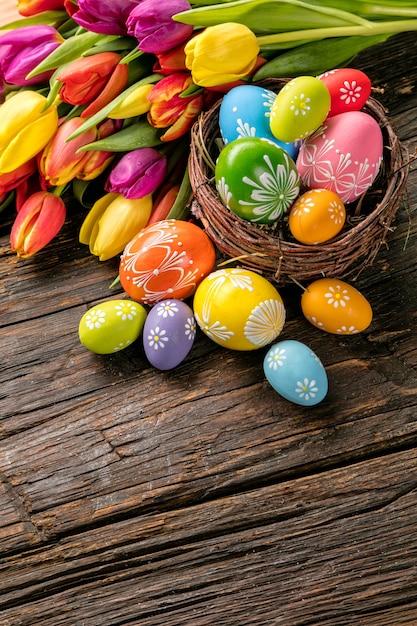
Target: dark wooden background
[{"x": 199, "y": 496}]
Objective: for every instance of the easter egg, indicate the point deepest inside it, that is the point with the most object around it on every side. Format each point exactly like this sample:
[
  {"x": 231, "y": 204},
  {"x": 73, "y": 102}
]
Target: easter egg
[
  {"x": 336, "y": 307},
  {"x": 239, "y": 309},
  {"x": 299, "y": 108},
  {"x": 166, "y": 260},
  {"x": 316, "y": 216},
  {"x": 111, "y": 326},
  {"x": 169, "y": 333},
  {"x": 245, "y": 111},
  {"x": 256, "y": 179},
  {"x": 344, "y": 155},
  {"x": 296, "y": 372},
  {"x": 349, "y": 89}
]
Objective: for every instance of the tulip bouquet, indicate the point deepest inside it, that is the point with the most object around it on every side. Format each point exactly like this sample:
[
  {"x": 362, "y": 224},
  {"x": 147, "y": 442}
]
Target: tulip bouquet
[{"x": 100, "y": 95}]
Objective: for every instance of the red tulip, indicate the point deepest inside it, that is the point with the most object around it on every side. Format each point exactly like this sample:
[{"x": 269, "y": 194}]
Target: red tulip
[
  {"x": 38, "y": 221},
  {"x": 84, "y": 79}
]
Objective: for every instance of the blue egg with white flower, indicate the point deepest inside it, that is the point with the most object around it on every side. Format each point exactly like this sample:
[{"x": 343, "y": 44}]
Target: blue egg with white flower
[
  {"x": 245, "y": 112},
  {"x": 168, "y": 333},
  {"x": 296, "y": 372}
]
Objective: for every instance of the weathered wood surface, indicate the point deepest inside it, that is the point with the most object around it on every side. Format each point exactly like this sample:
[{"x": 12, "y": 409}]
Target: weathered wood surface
[{"x": 198, "y": 496}]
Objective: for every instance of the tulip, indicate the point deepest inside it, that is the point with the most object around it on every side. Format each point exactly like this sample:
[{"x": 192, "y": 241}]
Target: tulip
[
  {"x": 16, "y": 178},
  {"x": 27, "y": 125},
  {"x": 152, "y": 24},
  {"x": 169, "y": 109},
  {"x": 115, "y": 85},
  {"x": 171, "y": 61},
  {"x": 33, "y": 7},
  {"x": 112, "y": 222},
  {"x": 84, "y": 79},
  {"x": 107, "y": 17},
  {"x": 97, "y": 160},
  {"x": 138, "y": 173},
  {"x": 221, "y": 54},
  {"x": 59, "y": 162},
  {"x": 134, "y": 104},
  {"x": 38, "y": 221},
  {"x": 23, "y": 49}
]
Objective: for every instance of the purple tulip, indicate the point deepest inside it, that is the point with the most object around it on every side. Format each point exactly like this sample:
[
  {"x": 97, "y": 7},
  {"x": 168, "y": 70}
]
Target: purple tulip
[
  {"x": 107, "y": 17},
  {"x": 152, "y": 24},
  {"x": 138, "y": 173},
  {"x": 22, "y": 49}
]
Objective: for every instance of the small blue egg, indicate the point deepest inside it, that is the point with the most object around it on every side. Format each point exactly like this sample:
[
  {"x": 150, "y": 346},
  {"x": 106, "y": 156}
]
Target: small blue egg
[
  {"x": 168, "y": 333},
  {"x": 245, "y": 112},
  {"x": 296, "y": 373}
]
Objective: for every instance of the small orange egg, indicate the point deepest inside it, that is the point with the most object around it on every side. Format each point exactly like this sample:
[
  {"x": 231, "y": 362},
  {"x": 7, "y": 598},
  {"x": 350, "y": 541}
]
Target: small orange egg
[
  {"x": 316, "y": 216},
  {"x": 336, "y": 307}
]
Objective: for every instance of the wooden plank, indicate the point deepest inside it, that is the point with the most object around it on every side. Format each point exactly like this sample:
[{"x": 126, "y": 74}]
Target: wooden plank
[
  {"x": 9, "y": 12},
  {"x": 326, "y": 548},
  {"x": 132, "y": 496}
]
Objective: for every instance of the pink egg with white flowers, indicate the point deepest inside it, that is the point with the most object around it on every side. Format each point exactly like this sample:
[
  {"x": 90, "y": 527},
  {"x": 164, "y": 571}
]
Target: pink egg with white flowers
[
  {"x": 344, "y": 155},
  {"x": 349, "y": 89}
]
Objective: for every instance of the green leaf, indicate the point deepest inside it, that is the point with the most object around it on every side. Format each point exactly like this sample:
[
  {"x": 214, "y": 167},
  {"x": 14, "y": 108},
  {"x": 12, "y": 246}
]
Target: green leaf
[
  {"x": 46, "y": 17},
  {"x": 139, "y": 135},
  {"x": 180, "y": 210},
  {"x": 316, "y": 57},
  {"x": 70, "y": 50},
  {"x": 269, "y": 16}
]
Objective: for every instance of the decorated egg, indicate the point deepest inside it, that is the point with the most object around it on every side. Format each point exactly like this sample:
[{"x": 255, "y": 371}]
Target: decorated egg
[
  {"x": 336, "y": 307},
  {"x": 316, "y": 216},
  {"x": 166, "y": 260},
  {"x": 349, "y": 89},
  {"x": 239, "y": 309},
  {"x": 245, "y": 111},
  {"x": 256, "y": 179},
  {"x": 299, "y": 108},
  {"x": 296, "y": 372},
  {"x": 111, "y": 326},
  {"x": 169, "y": 333},
  {"x": 344, "y": 155}
]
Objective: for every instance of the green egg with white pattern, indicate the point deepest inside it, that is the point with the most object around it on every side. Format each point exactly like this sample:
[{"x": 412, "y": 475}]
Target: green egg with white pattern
[
  {"x": 256, "y": 179},
  {"x": 111, "y": 326},
  {"x": 299, "y": 109}
]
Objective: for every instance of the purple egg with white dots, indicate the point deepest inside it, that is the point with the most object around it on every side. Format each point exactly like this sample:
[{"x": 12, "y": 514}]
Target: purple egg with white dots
[{"x": 168, "y": 333}]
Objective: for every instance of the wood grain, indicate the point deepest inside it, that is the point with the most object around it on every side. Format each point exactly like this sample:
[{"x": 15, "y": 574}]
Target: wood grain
[
  {"x": 8, "y": 12},
  {"x": 198, "y": 496}
]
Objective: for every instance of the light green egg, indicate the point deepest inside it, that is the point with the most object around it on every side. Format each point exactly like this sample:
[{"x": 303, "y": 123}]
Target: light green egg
[
  {"x": 111, "y": 326},
  {"x": 299, "y": 109}
]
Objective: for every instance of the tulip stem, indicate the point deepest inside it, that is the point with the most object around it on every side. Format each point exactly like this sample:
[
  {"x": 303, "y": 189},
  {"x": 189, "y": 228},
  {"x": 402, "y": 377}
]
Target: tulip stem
[
  {"x": 131, "y": 56},
  {"x": 375, "y": 28},
  {"x": 58, "y": 191}
]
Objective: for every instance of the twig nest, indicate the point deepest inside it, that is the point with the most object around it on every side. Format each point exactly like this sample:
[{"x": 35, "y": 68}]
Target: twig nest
[{"x": 271, "y": 249}]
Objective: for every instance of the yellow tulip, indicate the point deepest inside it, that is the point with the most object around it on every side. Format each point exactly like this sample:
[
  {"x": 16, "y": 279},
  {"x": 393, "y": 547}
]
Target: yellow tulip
[
  {"x": 26, "y": 127},
  {"x": 221, "y": 54},
  {"x": 135, "y": 103},
  {"x": 112, "y": 222}
]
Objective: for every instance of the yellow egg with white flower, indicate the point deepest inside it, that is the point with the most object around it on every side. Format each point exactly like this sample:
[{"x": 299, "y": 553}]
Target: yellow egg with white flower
[{"x": 239, "y": 309}]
